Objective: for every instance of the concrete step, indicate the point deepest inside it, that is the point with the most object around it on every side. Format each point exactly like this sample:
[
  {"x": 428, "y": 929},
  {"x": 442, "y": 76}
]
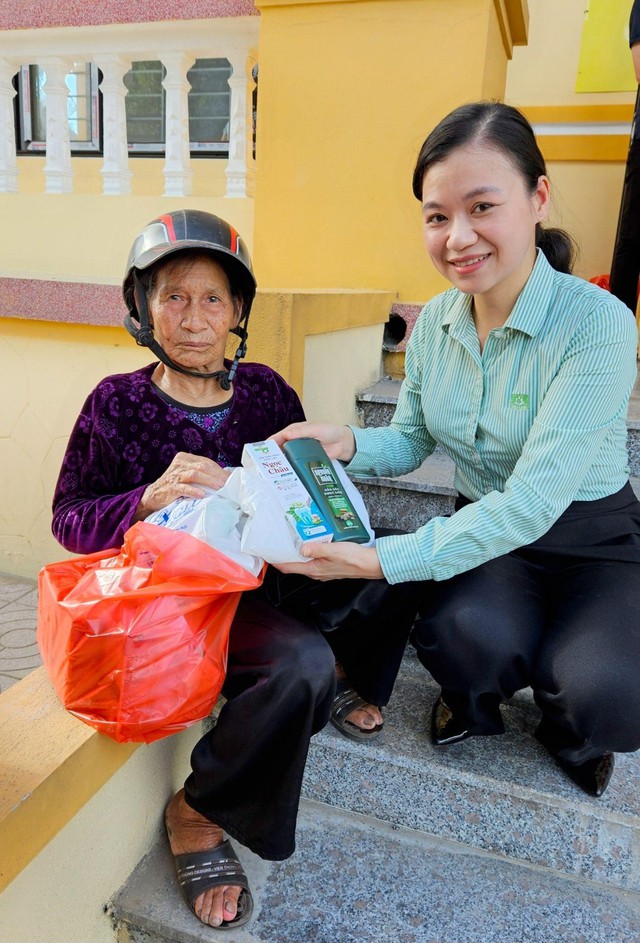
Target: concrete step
[
  {"x": 407, "y": 501},
  {"x": 356, "y": 880},
  {"x": 502, "y": 794},
  {"x": 485, "y": 841},
  {"x": 376, "y": 404},
  {"x": 411, "y": 500}
]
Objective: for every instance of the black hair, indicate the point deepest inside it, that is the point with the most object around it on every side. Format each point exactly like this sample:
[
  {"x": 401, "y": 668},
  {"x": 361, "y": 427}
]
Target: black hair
[{"x": 507, "y": 130}]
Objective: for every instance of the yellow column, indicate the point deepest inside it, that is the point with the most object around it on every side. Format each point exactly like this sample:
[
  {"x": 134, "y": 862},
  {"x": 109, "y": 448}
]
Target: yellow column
[{"x": 348, "y": 90}]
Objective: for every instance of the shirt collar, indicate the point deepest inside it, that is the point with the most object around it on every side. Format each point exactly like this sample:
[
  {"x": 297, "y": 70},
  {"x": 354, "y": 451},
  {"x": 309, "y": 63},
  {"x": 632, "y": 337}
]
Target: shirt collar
[
  {"x": 529, "y": 312},
  {"x": 457, "y": 316}
]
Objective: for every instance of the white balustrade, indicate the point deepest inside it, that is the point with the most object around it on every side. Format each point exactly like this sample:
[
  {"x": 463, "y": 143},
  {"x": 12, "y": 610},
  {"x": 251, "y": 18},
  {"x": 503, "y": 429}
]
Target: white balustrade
[
  {"x": 8, "y": 163},
  {"x": 177, "y": 167},
  {"x": 240, "y": 175},
  {"x": 116, "y": 175},
  {"x": 113, "y": 49},
  {"x": 57, "y": 168}
]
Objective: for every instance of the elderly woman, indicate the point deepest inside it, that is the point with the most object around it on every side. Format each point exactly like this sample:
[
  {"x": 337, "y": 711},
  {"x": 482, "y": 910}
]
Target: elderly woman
[{"x": 172, "y": 429}]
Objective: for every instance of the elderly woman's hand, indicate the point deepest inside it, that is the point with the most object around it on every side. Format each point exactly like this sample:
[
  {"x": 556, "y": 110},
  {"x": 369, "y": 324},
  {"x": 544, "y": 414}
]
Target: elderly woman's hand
[{"x": 186, "y": 477}]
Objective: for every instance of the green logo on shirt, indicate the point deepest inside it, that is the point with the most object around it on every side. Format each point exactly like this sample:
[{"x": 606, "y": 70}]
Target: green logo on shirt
[{"x": 519, "y": 401}]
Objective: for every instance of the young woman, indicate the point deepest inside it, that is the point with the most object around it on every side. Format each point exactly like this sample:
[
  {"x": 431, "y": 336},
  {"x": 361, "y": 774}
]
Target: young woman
[{"x": 522, "y": 373}]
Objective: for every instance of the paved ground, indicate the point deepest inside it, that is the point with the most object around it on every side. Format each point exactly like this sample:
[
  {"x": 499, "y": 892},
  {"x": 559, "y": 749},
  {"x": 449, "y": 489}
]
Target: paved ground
[
  {"x": 18, "y": 616},
  {"x": 634, "y": 403}
]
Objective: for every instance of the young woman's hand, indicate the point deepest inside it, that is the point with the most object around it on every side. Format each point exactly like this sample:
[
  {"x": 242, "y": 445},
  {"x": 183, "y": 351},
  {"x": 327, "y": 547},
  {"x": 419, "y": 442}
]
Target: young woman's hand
[
  {"x": 339, "y": 561},
  {"x": 337, "y": 441}
]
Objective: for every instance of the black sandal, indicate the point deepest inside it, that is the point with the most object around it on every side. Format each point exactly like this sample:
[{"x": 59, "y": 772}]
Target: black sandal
[
  {"x": 346, "y": 701},
  {"x": 198, "y": 871}
]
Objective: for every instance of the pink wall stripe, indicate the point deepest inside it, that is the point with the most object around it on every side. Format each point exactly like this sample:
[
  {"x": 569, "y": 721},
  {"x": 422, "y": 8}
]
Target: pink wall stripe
[
  {"x": 409, "y": 314},
  {"x": 66, "y": 302},
  {"x": 36, "y": 14}
]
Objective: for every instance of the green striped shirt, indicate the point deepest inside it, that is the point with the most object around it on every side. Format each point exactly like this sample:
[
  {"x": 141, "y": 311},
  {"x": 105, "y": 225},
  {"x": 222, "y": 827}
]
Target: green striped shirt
[{"x": 536, "y": 421}]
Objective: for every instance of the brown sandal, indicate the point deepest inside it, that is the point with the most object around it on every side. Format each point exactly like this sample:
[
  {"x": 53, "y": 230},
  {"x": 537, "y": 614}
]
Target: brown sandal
[
  {"x": 345, "y": 702},
  {"x": 199, "y": 871}
]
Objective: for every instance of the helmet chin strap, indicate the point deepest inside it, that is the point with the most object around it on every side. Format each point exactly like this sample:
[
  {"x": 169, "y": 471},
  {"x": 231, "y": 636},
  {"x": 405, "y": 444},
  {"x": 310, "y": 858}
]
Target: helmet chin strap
[{"x": 144, "y": 338}]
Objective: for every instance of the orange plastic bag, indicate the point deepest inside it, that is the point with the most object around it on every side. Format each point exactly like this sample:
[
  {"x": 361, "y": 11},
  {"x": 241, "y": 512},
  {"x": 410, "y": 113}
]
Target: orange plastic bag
[
  {"x": 602, "y": 281},
  {"x": 135, "y": 642}
]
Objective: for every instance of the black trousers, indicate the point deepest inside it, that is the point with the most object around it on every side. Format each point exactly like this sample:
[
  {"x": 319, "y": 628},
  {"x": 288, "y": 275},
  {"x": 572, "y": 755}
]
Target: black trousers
[
  {"x": 625, "y": 267},
  {"x": 562, "y": 616},
  {"x": 286, "y": 636}
]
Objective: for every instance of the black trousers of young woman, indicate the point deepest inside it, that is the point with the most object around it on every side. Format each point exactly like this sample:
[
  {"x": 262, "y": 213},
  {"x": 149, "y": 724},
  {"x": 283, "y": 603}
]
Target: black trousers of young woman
[
  {"x": 561, "y": 615},
  {"x": 285, "y": 638}
]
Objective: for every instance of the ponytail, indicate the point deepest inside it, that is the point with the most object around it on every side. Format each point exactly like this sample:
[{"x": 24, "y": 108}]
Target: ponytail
[{"x": 558, "y": 246}]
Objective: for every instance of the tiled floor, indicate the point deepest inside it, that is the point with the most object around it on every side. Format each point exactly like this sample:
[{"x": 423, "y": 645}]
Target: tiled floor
[{"x": 18, "y": 616}]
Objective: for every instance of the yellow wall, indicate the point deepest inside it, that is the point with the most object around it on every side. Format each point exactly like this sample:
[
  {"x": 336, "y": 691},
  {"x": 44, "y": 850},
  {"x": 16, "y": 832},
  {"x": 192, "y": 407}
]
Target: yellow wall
[
  {"x": 284, "y": 320},
  {"x": 47, "y": 371},
  {"x": 148, "y": 179},
  {"x": 87, "y": 238},
  {"x": 336, "y": 363},
  {"x": 77, "y": 813},
  {"x": 586, "y": 202},
  {"x": 586, "y": 192},
  {"x": 544, "y": 71},
  {"x": 348, "y": 91}
]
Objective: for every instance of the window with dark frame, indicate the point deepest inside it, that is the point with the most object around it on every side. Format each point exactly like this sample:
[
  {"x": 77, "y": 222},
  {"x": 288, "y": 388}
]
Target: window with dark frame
[
  {"x": 83, "y": 108},
  {"x": 209, "y": 108}
]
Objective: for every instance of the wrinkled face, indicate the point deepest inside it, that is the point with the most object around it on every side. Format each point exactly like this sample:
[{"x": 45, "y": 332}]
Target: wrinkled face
[
  {"x": 479, "y": 221},
  {"x": 192, "y": 311}
]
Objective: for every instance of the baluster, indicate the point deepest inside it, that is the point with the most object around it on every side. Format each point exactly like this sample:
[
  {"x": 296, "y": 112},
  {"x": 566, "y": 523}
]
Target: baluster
[
  {"x": 57, "y": 168},
  {"x": 177, "y": 167},
  {"x": 8, "y": 163},
  {"x": 116, "y": 175},
  {"x": 240, "y": 167}
]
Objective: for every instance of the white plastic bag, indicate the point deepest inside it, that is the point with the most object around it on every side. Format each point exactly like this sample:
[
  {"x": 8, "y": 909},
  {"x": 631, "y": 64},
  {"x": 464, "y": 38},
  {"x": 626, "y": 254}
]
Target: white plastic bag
[
  {"x": 245, "y": 521},
  {"x": 266, "y": 532},
  {"x": 215, "y": 519}
]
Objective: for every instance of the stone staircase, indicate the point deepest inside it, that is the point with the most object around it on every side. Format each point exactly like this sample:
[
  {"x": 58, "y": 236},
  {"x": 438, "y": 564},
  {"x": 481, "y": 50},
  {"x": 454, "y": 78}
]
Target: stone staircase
[
  {"x": 482, "y": 842},
  {"x": 485, "y": 841},
  {"x": 429, "y": 491}
]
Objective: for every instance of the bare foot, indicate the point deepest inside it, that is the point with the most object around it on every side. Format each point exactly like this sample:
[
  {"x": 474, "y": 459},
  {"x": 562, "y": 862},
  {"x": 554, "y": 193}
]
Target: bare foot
[
  {"x": 190, "y": 831},
  {"x": 366, "y": 717}
]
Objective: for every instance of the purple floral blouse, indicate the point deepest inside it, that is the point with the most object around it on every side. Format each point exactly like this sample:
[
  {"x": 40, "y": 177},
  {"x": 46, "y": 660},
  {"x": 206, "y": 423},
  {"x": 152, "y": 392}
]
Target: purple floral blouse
[{"x": 127, "y": 435}]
